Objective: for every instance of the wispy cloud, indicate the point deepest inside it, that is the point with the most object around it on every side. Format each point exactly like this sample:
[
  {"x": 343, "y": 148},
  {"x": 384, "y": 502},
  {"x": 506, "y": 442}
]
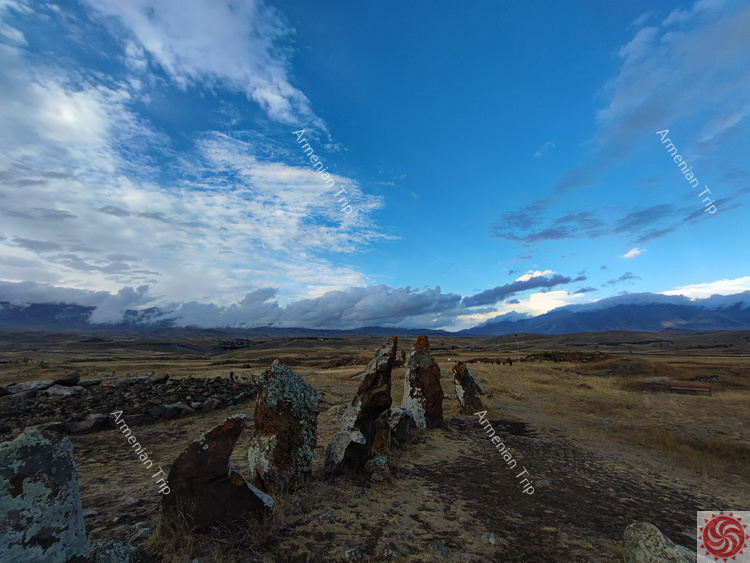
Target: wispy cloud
[
  {"x": 102, "y": 180},
  {"x": 491, "y": 296},
  {"x": 240, "y": 45},
  {"x": 626, "y": 277},
  {"x": 544, "y": 149},
  {"x": 633, "y": 252}
]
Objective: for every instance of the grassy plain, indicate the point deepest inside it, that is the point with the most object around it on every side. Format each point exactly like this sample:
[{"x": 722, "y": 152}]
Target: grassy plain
[{"x": 604, "y": 443}]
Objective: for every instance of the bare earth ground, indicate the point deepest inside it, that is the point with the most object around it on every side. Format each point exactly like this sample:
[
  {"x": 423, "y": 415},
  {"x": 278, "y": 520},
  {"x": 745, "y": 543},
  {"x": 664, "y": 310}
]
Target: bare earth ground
[{"x": 603, "y": 447}]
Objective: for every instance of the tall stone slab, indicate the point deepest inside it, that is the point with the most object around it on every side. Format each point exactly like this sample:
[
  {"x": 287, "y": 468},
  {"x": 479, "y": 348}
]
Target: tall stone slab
[
  {"x": 423, "y": 395},
  {"x": 41, "y": 517},
  {"x": 286, "y": 429},
  {"x": 205, "y": 489},
  {"x": 351, "y": 447},
  {"x": 467, "y": 389}
]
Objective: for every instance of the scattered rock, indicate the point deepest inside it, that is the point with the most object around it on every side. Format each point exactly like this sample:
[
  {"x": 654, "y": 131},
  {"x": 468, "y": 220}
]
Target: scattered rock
[
  {"x": 644, "y": 543},
  {"x": 158, "y": 379},
  {"x": 467, "y": 389},
  {"x": 489, "y": 538},
  {"x": 91, "y": 422},
  {"x": 135, "y": 419},
  {"x": 211, "y": 404},
  {"x": 176, "y": 410},
  {"x": 377, "y": 469},
  {"x": 400, "y": 423},
  {"x": 40, "y": 505},
  {"x": 71, "y": 378},
  {"x": 39, "y": 385},
  {"x": 357, "y": 553},
  {"x": 106, "y": 551},
  {"x": 286, "y": 428},
  {"x": 55, "y": 426},
  {"x": 205, "y": 489},
  {"x": 90, "y": 382},
  {"x": 58, "y": 389},
  {"x": 423, "y": 395},
  {"x": 327, "y": 515}
]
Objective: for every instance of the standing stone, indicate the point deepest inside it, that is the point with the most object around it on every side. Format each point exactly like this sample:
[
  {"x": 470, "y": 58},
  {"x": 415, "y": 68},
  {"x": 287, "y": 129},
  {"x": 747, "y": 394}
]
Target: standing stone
[
  {"x": 286, "y": 428},
  {"x": 374, "y": 394},
  {"x": 205, "y": 488},
  {"x": 467, "y": 389},
  {"x": 41, "y": 517},
  {"x": 644, "y": 543},
  {"x": 352, "y": 446},
  {"x": 423, "y": 395}
]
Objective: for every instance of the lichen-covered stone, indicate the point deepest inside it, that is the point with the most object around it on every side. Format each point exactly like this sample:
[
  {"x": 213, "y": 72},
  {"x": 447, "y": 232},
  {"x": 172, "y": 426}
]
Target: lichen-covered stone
[
  {"x": 373, "y": 397},
  {"x": 423, "y": 395},
  {"x": 286, "y": 429},
  {"x": 400, "y": 423},
  {"x": 467, "y": 389},
  {"x": 644, "y": 543},
  {"x": 41, "y": 517},
  {"x": 205, "y": 489},
  {"x": 374, "y": 393}
]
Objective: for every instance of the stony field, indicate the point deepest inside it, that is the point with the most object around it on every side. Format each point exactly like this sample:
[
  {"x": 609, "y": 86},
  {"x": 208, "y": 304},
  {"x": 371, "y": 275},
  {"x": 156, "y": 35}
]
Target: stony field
[{"x": 589, "y": 417}]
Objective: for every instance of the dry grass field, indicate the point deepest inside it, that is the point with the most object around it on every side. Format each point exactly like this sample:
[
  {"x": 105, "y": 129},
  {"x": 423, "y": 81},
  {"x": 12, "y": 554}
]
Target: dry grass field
[{"x": 604, "y": 443}]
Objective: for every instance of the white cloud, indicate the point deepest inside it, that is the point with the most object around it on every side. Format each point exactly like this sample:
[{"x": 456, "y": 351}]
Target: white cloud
[
  {"x": 534, "y": 274},
  {"x": 666, "y": 75},
  {"x": 678, "y": 16},
  {"x": 544, "y": 149},
  {"x": 84, "y": 206},
  {"x": 718, "y": 287},
  {"x": 205, "y": 41},
  {"x": 540, "y": 303},
  {"x": 633, "y": 252}
]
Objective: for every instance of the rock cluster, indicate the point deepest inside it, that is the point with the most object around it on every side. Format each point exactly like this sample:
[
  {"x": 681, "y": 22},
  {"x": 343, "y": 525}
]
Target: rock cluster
[
  {"x": 286, "y": 429},
  {"x": 468, "y": 389},
  {"x": 81, "y": 405},
  {"x": 351, "y": 447},
  {"x": 205, "y": 488},
  {"x": 423, "y": 395}
]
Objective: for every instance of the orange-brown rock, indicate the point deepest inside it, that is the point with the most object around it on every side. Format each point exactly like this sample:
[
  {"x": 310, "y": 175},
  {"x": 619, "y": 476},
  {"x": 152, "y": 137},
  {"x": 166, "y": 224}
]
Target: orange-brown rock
[{"x": 423, "y": 395}]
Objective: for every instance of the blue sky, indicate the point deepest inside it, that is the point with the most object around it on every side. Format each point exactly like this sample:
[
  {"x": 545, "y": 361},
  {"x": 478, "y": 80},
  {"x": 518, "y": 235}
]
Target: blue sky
[{"x": 496, "y": 157}]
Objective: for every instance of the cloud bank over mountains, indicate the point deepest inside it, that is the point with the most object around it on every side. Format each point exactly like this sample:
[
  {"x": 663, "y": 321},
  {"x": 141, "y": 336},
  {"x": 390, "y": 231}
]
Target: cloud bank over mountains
[{"x": 356, "y": 307}]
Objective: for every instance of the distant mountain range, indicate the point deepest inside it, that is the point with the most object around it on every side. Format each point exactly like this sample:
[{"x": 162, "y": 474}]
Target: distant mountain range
[{"x": 638, "y": 312}]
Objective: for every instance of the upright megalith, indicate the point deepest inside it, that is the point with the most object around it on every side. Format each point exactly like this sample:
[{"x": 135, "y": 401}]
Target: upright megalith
[
  {"x": 423, "y": 395},
  {"x": 374, "y": 393},
  {"x": 41, "y": 517},
  {"x": 205, "y": 489},
  {"x": 286, "y": 429},
  {"x": 467, "y": 389},
  {"x": 351, "y": 448}
]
